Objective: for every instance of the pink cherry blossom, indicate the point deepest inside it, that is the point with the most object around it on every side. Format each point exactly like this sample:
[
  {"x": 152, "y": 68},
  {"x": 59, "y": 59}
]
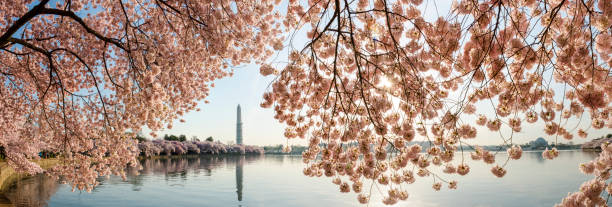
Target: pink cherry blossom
[
  {"x": 498, "y": 171},
  {"x": 452, "y": 185},
  {"x": 515, "y": 152},
  {"x": 550, "y": 154}
]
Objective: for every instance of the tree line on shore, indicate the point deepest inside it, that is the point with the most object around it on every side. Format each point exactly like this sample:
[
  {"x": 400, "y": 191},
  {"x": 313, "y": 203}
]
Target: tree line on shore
[{"x": 179, "y": 145}]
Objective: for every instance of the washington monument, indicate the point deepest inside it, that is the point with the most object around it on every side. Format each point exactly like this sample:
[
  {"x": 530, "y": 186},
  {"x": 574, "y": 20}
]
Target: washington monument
[{"x": 238, "y": 127}]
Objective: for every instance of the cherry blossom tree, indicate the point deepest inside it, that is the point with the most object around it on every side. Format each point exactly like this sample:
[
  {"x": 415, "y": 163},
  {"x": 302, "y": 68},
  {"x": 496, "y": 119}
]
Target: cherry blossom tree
[
  {"x": 79, "y": 78},
  {"x": 163, "y": 147},
  {"x": 377, "y": 74}
]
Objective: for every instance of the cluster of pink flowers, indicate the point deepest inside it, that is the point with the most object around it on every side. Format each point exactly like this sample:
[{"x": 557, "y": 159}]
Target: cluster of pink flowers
[
  {"x": 590, "y": 193},
  {"x": 78, "y": 76},
  {"x": 498, "y": 171},
  {"x": 550, "y": 154},
  {"x": 381, "y": 75},
  {"x": 515, "y": 152}
]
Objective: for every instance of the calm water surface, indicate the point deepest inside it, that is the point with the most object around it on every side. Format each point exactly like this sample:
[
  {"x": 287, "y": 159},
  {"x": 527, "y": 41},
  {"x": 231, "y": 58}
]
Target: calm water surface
[{"x": 275, "y": 180}]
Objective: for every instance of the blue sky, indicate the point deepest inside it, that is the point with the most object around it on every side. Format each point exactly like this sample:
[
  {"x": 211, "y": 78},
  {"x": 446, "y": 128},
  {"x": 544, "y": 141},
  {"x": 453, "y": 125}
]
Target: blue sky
[{"x": 218, "y": 118}]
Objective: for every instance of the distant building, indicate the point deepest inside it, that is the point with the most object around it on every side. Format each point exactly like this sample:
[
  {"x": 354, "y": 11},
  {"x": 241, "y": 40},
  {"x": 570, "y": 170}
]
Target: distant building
[
  {"x": 538, "y": 143},
  {"x": 238, "y": 126}
]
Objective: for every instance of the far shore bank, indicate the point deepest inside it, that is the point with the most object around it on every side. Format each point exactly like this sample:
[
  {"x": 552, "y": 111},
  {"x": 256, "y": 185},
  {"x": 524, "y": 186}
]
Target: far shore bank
[{"x": 194, "y": 156}]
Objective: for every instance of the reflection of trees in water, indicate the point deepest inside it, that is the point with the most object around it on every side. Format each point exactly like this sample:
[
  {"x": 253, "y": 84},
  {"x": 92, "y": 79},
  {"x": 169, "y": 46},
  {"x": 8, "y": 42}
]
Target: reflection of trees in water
[
  {"x": 535, "y": 155},
  {"x": 590, "y": 155},
  {"x": 37, "y": 190},
  {"x": 570, "y": 154},
  {"x": 281, "y": 159},
  {"x": 178, "y": 167},
  {"x": 173, "y": 168},
  {"x": 181, "y": 167},
  {"x": 32, "y": 191},
  {"x": 277, "y": 159}
]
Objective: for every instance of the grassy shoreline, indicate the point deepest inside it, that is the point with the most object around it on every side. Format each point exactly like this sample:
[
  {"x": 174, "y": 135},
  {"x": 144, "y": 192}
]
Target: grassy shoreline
[{"x": 8, "y": 176}]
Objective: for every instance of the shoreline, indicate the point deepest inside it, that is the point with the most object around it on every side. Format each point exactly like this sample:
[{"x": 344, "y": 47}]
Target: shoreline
[
  {"x": 195, "y": 155},
  {"x": 8, "y": 177}
]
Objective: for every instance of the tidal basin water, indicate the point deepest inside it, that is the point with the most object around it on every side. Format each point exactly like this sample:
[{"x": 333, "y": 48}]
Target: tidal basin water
[{"x": 277, "y": 180}]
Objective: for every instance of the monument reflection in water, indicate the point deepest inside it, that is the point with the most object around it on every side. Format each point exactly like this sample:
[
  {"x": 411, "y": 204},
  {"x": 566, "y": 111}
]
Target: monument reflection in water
[
  {"x": 37, "y": 190},
  {"x": 239, "y": 165}
]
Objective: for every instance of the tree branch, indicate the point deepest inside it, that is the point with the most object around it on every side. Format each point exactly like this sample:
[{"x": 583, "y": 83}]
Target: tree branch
[
  {"x": 78, "y": 19},
  {"x": 21, "y": 21}
]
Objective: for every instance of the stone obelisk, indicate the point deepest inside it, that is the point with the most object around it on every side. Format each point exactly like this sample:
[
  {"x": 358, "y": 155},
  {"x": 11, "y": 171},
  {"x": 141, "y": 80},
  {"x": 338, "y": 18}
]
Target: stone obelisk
[{"x": 238, "y": 126}]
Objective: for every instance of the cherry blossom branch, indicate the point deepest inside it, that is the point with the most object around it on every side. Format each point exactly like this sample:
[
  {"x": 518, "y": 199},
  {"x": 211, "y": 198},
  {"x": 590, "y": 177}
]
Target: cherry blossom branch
[{"x": 22, "y": 21}]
